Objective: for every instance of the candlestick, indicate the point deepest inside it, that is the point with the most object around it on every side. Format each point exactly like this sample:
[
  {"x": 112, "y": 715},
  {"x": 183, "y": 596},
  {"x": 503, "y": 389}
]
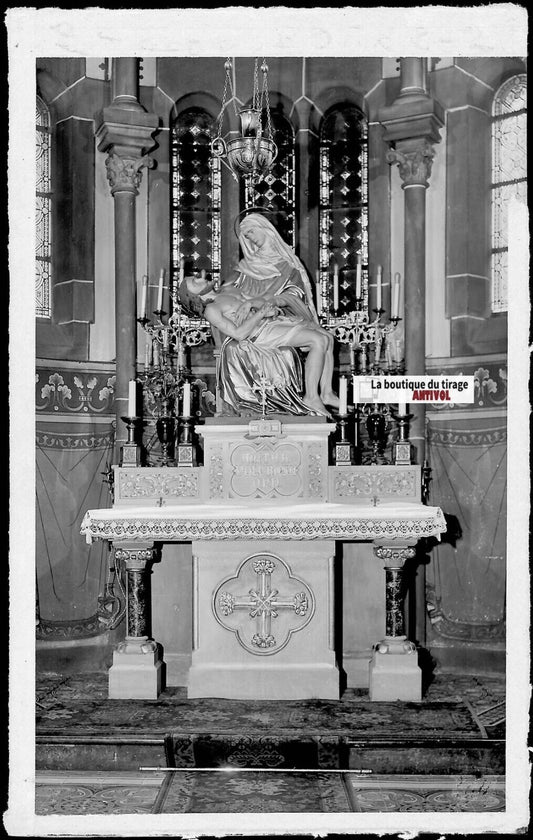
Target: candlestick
[
  {"x": 378, "y": 288},
  {"x": 335, "y": 287},
  {"x": 343, "y": 396},
  {"x": 160, "y": 291},
  {"x": 132, "y": 398},
  {"x": 395, "y": 308},
  {"x": 358, "y": 278},
  {"x": 144, "y": 289},
  {"x": 186, "y": 410}
]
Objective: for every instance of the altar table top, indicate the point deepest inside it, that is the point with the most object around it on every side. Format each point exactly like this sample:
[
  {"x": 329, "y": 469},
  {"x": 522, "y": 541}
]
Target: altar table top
[{"x": 403, "y": 522}]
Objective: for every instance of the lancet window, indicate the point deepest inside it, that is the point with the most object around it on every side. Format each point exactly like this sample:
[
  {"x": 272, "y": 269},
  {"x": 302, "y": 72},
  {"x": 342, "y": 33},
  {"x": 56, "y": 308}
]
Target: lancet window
[
  {"x": 343, "y": 202},
  {"x": 276, "y": 191},
  {"x": 196, "y": 193},
  {"x": 509, "y": 172},
  {"x": 43, "y": 212}
]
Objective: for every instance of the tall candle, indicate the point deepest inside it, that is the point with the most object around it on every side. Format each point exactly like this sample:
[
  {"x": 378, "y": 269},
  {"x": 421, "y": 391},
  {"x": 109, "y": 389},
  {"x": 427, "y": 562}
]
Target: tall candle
[
  {"x": 182, "y": 270},
  {"x": 378, "y": 289},
  {"x": 352, "y": 356},
  {"x": 402, "y": 409},
  {"x": 343, "y": 396},
  {"x": 147, "y": 354},
  {"x": 160, "y": 291},
  {"x": 335, "y": 287},
  {"x": 186, "y": 411},
  {"x": 144, "y": 289},
  {"x": 132, "y": 398},
  {"x": 155, "y": 348},
  {"x": 358, "y": 278},
  {"x": 318, "y": 294},
  {"x": 355, "y": 392},
  {"x": 395, "y": 308}
]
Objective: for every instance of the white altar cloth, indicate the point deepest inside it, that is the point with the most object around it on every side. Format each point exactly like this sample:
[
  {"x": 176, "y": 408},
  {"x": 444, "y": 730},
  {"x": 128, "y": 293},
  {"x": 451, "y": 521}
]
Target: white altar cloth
[{"x": 402, "y": 522}]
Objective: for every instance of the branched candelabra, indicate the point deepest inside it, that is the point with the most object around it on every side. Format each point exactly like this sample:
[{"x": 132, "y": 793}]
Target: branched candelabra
[{"x": 165, "y": 377}]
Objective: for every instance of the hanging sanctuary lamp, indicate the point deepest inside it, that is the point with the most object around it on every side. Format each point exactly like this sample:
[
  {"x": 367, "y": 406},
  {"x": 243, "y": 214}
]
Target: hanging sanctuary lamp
[{"x": 252, "y": 153}]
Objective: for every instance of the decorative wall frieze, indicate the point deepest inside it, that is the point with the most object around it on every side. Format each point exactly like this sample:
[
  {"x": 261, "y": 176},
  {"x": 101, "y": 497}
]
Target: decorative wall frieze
[
  {"x": 71, "y": 629},
  {"x": 69, "y": 392},
  {"x": 490, "y": 386},
  {"x": 125, "y": 174},
  {"x": 83, "y": 440},
  {"x": 414, "y": 166},
  {"x": 466, "y": 437}
]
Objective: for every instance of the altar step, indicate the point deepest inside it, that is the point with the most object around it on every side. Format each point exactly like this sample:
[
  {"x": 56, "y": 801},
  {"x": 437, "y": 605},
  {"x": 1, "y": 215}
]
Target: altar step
[
  {"x": 115, "y": 752},
  {"x": 444, "y": 736}
]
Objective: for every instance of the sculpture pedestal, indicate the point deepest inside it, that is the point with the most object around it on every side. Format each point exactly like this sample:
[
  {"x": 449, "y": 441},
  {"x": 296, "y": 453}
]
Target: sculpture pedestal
[
  {"x": 263, "y": 621},
  {"x": 394, "y": 672}
]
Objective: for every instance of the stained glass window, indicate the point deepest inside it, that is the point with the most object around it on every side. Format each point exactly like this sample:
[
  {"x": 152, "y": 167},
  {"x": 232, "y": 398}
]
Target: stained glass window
[
  {"x": 343, "y": 203},
  {"x": 275, "y": 192},
  {"x": 43, "y": 206},
  {"x": 508, "y": 175},
  {"x": 195, "y": 196}
]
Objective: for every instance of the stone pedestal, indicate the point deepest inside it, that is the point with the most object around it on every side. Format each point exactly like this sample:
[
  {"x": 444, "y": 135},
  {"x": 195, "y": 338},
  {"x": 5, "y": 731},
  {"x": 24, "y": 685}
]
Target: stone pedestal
[
  {"x": 263, "y": 621},
  {"x": 394, "y": 670},
  {"x": 136, "y": 669}
]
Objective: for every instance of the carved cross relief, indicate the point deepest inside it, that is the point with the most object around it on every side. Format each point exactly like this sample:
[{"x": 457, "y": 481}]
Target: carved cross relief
[{"x": 263, "y": 603}]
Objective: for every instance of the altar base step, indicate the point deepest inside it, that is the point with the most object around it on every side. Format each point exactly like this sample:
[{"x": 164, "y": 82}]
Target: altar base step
[{"x": 262, "y": 683}]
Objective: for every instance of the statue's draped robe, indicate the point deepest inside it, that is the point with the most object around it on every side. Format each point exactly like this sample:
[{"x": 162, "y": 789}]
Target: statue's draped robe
[{"x": 264, "y": 354}]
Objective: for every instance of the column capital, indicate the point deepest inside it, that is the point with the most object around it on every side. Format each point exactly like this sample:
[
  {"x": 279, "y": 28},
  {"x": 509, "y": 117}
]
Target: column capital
[
  {"x": 135, "y": 557},
  {"x": 124, "y": 173},
  {"x": 394, "y": 557},
  {"x": 414, "y": 164}
]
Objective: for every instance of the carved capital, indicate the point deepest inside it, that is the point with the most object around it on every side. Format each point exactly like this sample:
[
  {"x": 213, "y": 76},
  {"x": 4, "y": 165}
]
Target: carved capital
[
  {"x": 135, "y": 558},
  {"x": 414, "y": 166},
  {"x": 394, "y": 558},
  {"x": 124, "y": 174}
]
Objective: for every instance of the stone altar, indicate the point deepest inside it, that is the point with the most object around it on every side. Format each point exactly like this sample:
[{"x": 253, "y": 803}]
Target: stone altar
[{"x": 265, "y": 515}]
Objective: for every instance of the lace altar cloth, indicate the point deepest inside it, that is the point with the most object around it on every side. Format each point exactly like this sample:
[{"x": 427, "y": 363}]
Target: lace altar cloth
[{"x": 404, "y": 523}]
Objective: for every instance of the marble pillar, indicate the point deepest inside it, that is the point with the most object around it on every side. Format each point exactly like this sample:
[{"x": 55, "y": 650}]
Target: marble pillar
[
  {"x": 136, "y": 669},
  {"x": 394, "y": 670}
]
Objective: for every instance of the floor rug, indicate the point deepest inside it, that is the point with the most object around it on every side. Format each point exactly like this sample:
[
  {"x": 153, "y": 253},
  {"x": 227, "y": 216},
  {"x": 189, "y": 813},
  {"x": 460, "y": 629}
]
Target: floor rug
[
  {"x": 254, "y": 792},
  {"x": 395, "y": 794}
]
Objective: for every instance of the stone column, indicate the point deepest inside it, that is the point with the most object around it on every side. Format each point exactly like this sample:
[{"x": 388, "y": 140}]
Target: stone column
[
  {"x": 394, "y": 670},
  {"x": 411, "y": 128},
  {"x": 125, "y": 132},
  {"x": 414, "y": 159},
  {"x": 136, "y": 669}
]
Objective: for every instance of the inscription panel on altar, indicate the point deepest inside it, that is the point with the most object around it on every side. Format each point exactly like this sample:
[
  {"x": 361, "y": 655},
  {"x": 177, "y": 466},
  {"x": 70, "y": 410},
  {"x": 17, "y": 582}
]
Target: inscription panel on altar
[
  {"x": 266, "y": 469},
  {"x": 292, "y": 464}
]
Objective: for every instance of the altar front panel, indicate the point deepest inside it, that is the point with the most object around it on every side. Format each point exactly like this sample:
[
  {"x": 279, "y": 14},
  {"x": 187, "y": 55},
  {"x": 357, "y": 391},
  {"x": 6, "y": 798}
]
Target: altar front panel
[{"x": 263, "y": 621}]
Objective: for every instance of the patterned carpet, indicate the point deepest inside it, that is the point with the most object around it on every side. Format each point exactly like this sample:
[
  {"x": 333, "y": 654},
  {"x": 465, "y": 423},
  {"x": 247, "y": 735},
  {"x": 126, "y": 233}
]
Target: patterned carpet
[
  {"x": 238, "y": 792},
  {"x": 296, "y": 756}
]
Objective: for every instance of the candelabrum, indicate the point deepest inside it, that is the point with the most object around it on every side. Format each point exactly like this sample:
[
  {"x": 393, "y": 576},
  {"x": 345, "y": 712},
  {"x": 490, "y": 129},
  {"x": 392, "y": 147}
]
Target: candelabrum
[{"x": 165, "y": 374}]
